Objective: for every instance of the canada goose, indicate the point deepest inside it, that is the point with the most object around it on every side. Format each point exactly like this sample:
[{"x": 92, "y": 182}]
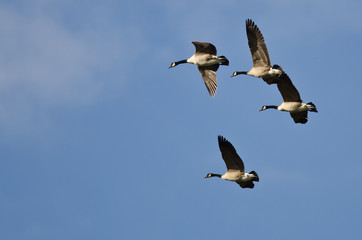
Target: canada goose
[
  {"x": 291, "y": 101},
  {"x": 207, "y": 62},
  {"x": 235, "y": 166},
  {"x": 259, "y": 52}
]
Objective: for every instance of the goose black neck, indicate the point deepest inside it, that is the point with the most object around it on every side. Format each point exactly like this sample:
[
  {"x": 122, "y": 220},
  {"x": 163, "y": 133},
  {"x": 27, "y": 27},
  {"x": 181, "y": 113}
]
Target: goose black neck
[
  {"x": 182, "y": 61},
  {"x": 174, "y": 64},
  {"x": 271, "y": 106}
]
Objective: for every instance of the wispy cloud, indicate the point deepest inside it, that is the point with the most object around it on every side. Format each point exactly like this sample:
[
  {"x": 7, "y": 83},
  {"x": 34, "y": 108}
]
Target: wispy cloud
[{"x": 45, "y": 63}]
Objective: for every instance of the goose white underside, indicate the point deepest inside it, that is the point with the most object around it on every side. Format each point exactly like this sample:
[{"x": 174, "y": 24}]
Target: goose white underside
[
  {"x": 204, "y": 60},
  {"x": 294, "y": 107},
  {"x": 262, "y": 72},
  {"x": 232, "y": 175},
  {"x": 238, "y": 176}
]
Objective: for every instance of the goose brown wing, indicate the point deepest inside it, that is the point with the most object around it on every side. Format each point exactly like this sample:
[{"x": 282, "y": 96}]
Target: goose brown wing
[
  {"x": 230, "y": 156},
  {"x": 208, "y": 74},
  {"x": 300, "y": 117},
  {"x": 271, "y": 80},
  {"x": 287, "y": 89},
  {"x": 204, "y": 47},
  {"x": 246, "y": 184},
  {"x": 257, "y": 46}
]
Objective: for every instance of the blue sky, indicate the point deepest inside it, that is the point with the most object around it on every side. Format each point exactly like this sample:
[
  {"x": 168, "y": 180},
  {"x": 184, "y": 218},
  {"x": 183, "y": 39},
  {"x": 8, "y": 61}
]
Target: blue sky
[{"x": 100, "y": 140}]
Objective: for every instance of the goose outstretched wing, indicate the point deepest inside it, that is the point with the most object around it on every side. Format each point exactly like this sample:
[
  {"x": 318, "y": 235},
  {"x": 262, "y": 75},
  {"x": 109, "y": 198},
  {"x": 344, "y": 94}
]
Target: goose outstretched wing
[
  {"x": 257, "y": 46},
  {"x": 230, "y": 156},
  {"x": 204, "y": 47}
]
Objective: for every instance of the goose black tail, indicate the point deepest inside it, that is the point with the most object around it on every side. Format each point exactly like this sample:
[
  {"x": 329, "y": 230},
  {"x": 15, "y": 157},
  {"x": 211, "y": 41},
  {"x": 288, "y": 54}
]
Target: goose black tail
[
  {"x": 276, "y": 66},
  {"x": 312, "y": 109},
  {"x": 256, "y": 175},
  {"x": 225, "y": 61}
]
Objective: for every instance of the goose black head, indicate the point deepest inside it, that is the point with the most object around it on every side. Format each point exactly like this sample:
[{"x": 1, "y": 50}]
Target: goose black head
[
  {"x": 172, "y": 65},
  {"x": 238, "y": 73},
  {"x": 209, "y": 175},
  {"x": 263, "y": 108}
]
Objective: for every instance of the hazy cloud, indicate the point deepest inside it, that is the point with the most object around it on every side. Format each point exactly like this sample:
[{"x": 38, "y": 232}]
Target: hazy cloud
[{"x": 44, "y": 63}]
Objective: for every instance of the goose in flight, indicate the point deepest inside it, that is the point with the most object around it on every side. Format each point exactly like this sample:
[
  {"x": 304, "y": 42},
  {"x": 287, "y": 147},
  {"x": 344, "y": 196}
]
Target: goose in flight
[
  {"x": 292, "y": 102},
  {"x": 235, "y": 166},
  {"x": 207, "y": 62},
  {"x": 259, "y": 52}
]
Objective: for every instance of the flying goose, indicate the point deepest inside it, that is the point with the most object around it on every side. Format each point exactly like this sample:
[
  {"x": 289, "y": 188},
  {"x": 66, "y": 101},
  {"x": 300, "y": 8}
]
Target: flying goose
[
  {"x": 259, "y": 52},
  {"x": 235, "y": 166},
  {"x": 207, "y": 62},
  {"x": 291, "y": 101}
]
